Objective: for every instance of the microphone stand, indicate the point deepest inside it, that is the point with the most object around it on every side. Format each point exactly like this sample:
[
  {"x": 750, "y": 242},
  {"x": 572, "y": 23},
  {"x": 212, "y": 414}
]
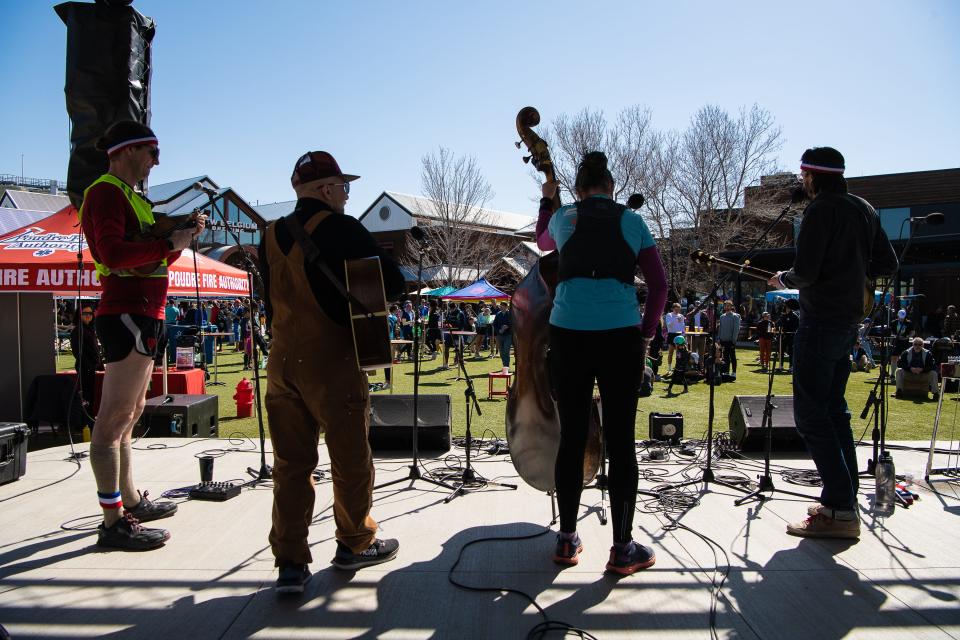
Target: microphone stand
[
  {"x": 878, "y": 395},
  {"x": 470, "y": 480},
  {"x": 415, "y": 473},
  {"x": 708, "y": 476},
  {"x": 265, "y": 472}
]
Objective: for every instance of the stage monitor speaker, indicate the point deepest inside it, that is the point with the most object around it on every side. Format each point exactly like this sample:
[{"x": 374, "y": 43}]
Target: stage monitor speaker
[
  {"x": 179, "y": 416},
  {"x": 391, "y": 422},
  {"x": 746, "y": 419},
  {"x": 666, "y": 426},
  {"x": 108, "y": 79}
]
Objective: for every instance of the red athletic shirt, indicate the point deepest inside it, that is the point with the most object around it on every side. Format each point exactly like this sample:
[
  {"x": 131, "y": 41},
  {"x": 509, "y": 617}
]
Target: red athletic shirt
[{"x": 108, "y": 219}]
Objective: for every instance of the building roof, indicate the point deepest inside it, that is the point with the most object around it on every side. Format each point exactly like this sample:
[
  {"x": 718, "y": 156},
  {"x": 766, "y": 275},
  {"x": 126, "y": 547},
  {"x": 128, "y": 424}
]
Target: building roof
[
  {"x": 13, "y": 219},
  {"x": 275, "y": 210},
  {"x": 491, "y": 219},
  {"x": 163, "y": 192},
  {"x": 33, "y": 201}
]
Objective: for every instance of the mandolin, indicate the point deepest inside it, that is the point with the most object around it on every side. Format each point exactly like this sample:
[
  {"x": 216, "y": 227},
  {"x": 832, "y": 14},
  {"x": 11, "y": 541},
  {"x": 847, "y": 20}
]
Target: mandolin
[
  {"x": 702, "y": 257},
  {"x": 162, "y": 228}
]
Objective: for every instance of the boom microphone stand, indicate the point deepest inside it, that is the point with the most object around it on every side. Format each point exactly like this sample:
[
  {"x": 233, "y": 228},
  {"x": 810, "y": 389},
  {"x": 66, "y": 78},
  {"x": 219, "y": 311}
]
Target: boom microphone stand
[
  {"x": 470, "y": 480},
  {"x": 765, "y": 480},
  {"x": 878, "y": 395},
  {"x": 414, "y": 473},
  {"x": 708, "y": 476},
  {"x": 265, "y": 472}
]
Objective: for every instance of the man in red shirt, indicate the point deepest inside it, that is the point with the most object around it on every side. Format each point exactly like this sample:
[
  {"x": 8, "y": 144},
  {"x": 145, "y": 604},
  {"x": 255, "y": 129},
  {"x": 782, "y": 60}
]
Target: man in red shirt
[{"x": 129, "y": 324}]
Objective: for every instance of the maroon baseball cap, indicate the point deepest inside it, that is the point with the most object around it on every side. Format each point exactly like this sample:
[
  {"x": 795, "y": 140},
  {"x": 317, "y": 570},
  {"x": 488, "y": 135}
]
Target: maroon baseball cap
[{"x": 317, "y": 165}]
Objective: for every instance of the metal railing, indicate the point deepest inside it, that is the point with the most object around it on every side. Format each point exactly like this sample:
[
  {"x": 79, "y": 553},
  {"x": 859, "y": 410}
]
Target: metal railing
[{"x": 32, "y": 183}]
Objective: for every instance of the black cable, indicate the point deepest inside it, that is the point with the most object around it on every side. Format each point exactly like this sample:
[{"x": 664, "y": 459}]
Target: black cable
[
  {"x": 49, "y": 484},
  {"x": 541, "y": 629}
]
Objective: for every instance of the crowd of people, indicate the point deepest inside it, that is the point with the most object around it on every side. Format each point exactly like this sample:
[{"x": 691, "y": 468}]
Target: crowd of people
[{"x": 445, "y": 326}]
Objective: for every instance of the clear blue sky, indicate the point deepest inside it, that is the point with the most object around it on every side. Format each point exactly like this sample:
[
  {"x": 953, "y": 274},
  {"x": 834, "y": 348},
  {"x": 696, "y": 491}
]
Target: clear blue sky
[{"x": 240, "y": 89}]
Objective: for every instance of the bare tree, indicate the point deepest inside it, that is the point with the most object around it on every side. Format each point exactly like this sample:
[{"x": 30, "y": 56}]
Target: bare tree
[
  {"x": 456, "y": 192},
  {"x": 693, "y": 180}
]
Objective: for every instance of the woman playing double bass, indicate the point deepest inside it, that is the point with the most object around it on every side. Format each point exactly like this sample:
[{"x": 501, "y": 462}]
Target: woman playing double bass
[{"x": 596, "y": 334}]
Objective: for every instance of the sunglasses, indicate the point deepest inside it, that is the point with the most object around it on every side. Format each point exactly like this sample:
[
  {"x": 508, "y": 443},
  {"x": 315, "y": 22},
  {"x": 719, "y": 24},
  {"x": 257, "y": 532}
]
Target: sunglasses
[
  {"x": 154, "y": 151},
  {"x": 345, "y": 185}
]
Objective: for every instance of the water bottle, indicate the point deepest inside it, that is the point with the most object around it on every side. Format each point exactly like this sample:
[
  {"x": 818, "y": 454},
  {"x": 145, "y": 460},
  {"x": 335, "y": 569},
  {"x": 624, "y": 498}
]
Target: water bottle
[{"x": 886, "y": 485}]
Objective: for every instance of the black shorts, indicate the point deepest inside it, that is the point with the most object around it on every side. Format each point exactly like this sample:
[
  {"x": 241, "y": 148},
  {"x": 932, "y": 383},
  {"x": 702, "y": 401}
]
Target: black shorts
[
  {"x": 670, "y": 337},
  {"x": 119, "y": 334}
]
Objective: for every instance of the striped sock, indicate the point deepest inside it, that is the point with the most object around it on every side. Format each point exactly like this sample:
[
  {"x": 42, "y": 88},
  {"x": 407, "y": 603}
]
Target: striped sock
[{"x": 110, "y": 500}]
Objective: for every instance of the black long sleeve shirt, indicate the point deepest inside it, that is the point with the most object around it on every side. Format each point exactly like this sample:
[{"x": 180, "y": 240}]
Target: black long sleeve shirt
[
  {"x": 840, "y": 245},
  {"x": 339, "y": 237}
]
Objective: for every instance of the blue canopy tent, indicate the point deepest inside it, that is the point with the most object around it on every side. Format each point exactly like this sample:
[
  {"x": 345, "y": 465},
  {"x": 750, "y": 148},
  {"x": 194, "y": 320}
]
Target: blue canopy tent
[{"x": 479, "y": 290}]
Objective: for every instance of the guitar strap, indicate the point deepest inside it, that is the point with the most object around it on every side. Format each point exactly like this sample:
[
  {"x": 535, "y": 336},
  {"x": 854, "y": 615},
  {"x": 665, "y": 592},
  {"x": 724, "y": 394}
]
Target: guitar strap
[{"x": 312, "y": 255}]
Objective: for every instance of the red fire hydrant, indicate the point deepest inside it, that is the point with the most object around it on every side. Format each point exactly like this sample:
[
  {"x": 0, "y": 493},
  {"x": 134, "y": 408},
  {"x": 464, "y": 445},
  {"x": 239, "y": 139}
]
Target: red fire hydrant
[{"x": 244, "y": 398}]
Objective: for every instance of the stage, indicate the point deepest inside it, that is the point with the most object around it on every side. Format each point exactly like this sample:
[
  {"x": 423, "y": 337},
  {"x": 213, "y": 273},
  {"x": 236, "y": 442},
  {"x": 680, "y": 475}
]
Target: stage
[{"x": 213, "y": 579}]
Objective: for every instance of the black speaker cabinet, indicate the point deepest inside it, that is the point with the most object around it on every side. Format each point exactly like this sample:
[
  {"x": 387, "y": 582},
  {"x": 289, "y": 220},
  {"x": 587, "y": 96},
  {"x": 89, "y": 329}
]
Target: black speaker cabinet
[
  {"x": 666, "y": 426},
  {"x": 179, "y": 416},
  {"x": 746, "y": 419},
  {"x": 13, "y": 451},
  {"x": 391, "y": 422}
]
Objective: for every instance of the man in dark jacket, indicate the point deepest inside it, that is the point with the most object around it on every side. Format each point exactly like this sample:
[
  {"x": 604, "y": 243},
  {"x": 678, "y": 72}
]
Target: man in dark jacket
[
  {"x": 839, "y": 248},
  {"x": 314, "y": 383},
  {"x": 917, "y": 361}
]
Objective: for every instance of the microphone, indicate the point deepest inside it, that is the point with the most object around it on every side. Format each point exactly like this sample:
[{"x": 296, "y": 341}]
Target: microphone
[
  {"x": 934, "y": 218},
  {"x": 635, "y": 201},
  {"x": 798, "y": 193},
  {"x": 198, "y": 186},
  {"x": 418, "y": 234}
]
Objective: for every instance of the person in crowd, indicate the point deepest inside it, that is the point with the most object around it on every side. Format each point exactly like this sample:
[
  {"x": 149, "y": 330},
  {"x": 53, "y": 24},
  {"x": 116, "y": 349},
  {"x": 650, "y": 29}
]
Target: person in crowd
[
  {"x": 171, "y": 314},
  {"x": 787, "y": 326},
  {"x": 314, "y": 383},
  {"x": 129, "y": 325},
  {"x": 902, "y": 330},
  {"x": 433, "y": 335},
  {"x": 679, "y": 375},
  {"x": 951, "y": 323},
  {"x": 407, "y": 319},
  {"x": 765, "y": 339},
  {"x": 484, "y": 327},
  {"x": 676, "y": 323},
  {"x": 917, "y": 361},
  {"x": 863, "y": 337},
  {"x": 594, "y": 315},
  {"x": 503, "y": 334},
  {"x": 225, "y": 322},
  {"x": 859, "y": 360},
  {"x": 87, "y": 359},
  {"x": 727, "y": 335},
  {"x": 840, "y": 246},
  {"x": 236, "y": 312}
]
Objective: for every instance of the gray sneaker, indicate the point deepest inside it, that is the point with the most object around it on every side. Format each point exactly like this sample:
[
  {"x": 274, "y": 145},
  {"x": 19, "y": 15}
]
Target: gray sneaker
[
  {"x": 126, "y": 533},
  {"x": 147, "y": 510},
  {"x": 379, "y": 551}
]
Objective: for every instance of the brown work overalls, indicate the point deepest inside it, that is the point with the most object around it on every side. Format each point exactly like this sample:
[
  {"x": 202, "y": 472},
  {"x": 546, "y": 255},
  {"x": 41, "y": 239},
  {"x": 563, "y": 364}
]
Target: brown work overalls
[{"x": 314, "y": 384}]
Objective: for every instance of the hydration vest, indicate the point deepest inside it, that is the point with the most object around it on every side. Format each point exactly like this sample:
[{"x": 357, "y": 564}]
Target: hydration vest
[
  {"x": 597, "y": 248},
  {"x": 144, "y": 213}
]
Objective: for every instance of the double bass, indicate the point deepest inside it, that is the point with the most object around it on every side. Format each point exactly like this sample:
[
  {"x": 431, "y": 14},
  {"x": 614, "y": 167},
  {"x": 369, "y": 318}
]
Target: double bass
[{"x": 532, "y": 422}]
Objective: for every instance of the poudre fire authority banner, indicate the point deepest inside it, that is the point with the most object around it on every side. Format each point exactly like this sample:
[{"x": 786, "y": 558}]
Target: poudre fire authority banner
[{"x": 43, "y": 257}]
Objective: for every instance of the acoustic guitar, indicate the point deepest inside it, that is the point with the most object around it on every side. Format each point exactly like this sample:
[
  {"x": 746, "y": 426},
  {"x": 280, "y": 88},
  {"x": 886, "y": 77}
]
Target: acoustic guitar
[{"x": 366, "y": 296}]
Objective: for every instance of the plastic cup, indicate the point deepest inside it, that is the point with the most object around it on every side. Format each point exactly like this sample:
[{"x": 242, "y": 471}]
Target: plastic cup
[{"x": 206, "y": 469}]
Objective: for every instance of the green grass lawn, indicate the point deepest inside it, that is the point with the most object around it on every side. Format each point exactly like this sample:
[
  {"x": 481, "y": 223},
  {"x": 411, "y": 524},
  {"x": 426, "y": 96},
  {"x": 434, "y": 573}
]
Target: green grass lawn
[{"x": 908, "y": 419}]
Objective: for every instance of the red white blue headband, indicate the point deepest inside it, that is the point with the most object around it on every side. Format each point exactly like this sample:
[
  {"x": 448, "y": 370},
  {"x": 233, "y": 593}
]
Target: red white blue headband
[
  {"x": 805, "y": 166},
  {"x": 151, "y": 140}
]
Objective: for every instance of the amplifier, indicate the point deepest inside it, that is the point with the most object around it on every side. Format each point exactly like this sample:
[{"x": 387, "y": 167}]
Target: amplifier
[
  {"x": 746, "y": 419},
  {"x": 391, "y": 422},
  {"x": 179, "y": 416},
  {"x": 13, "y": 451},
  {"x": 666, "y": 426}
]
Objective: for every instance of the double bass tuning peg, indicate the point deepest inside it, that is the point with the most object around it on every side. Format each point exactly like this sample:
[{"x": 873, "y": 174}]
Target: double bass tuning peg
[
  {"x": 518, "y": 144},
  {"x": 526, "y": 159}
]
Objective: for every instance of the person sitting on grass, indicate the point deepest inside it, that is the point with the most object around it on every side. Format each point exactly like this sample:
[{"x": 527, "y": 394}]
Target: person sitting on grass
[
  {"x": 681, "y": 365},
  {"x": 859, "y": 359}
]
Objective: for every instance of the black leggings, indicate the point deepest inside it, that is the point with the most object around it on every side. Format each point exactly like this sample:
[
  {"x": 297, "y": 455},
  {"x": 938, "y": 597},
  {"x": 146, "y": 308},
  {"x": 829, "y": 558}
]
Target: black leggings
[{"x": 614, "y": 359}]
